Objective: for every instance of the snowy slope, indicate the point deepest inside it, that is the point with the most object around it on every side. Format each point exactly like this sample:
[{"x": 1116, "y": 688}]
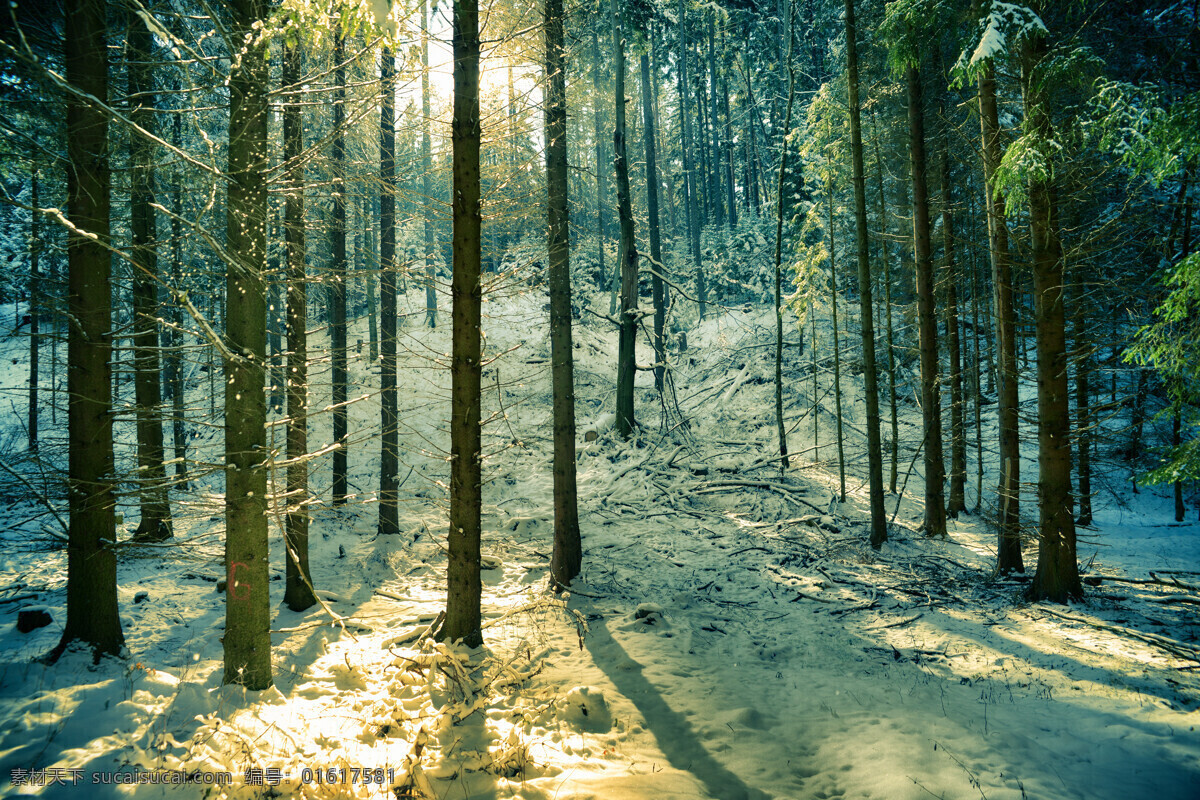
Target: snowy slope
[{"x": 732, "y": 636}]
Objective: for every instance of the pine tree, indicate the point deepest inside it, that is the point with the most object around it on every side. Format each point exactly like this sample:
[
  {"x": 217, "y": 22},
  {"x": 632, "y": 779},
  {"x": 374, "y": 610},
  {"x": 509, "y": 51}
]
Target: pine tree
[
  {"x": 298, "y": 590},
  {"x": 247, "y": 599},
  {"x": 91, "y": 563},
  {"x": 464, "y": 586},
  {"x": 567, "y": 557},
  {"x": 155, "y": 524}
]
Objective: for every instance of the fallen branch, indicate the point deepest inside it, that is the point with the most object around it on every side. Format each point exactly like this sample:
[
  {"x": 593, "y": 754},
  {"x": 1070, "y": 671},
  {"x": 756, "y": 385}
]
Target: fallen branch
[{"x": 1175, "y": 648}]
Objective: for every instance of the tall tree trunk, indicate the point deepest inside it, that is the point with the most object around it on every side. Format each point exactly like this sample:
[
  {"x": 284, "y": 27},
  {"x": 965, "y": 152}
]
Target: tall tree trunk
[
  {"x": 369, "y": 271},
  {"x": 298, "y": 588},
  {"x": 715, "y": 182},
  {"x": 870, "y": 379},
  {"x": 976, "y": 373},
  {"x": 1083, "y": 416},
  {"x": 247, "y": 603},
  {"x": 837, "y": 345},
  {"x": 464, "y": 586},
  {"x": 656, "y": 262},
  {"x": 427, "y": 177},
  {"x": 276, "y": 322},
  {"x": 689, "y": 167},
  {"x": 730, "y": 192},
  {"x": 389, "y": 457},
  {"x": 931, "y": 404},
  {"x": 958, "y": 441},
  {"x": 1008, "y": 546},
  {"x": 787, "y": 125},
  {"x": 752, "y": 153},
  {"x": 627, "y": 255},
  {"x": 891, "y": 346},
  {"x": 337, "y": 323},
  {"x": 155, "y": 524},
  {"x": 1176, "y": 420},
  {"x": 1057, "y": 576},
  {"x": 35, "y": 301},
  {"x": 91, "y": 563},
  {"x": 601, "y": 162},
  {"x": 176, "y": 363},
  {"x": 567, "y": 558}
]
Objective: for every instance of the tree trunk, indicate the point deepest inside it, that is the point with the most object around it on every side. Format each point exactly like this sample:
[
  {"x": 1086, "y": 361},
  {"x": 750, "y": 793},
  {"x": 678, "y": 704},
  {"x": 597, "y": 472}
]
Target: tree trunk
[
  {"x": 1057, "y": 576},
  {"x": 298, "y": 590},
  {"x": 389, "y": 457},
  {"x": 837, "y": 346},
  {"x": 976, "y": 373},
  {"x": 155, "y": 524},
  {"x": 247, "y": 604},
  {"x": 567, "y": 558},
  {"x": 715, "y": 188},
  {"x": 958, "y": 441},
  {"x": 689, "y": 168},
  {"x": 91, "y": 563},
  {"x": 627, "y": 255},
  {"x": 931, "y": 406},
  {"x": 369, "y": 272},
  {"x": 337, "y": 323},
  {"x": 601, "y": 183},
  {"x": 464, "y": 586},
  {"x": 35, "y": 301},
  {"x": 1008, "y": 546},
  {"x": 176, "y": 363},
  {"x": 1083, "y": 416},
  {"x": 891, "y": 346},
  {"x": 427, "y": 177},
  {"x": 870, "y": 379},
  {"x": 730, "y": 194},
  {"x": 787, "y": 125},
  {"x": 657, "y": 267}
]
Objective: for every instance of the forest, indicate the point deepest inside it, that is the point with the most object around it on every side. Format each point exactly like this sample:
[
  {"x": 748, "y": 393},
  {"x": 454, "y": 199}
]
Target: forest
[{"x": 624, "y": 399}]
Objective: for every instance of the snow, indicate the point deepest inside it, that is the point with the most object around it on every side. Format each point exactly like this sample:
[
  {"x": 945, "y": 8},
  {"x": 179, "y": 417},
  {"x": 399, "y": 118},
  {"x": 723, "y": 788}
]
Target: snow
[{"x": 731, "y": 635}]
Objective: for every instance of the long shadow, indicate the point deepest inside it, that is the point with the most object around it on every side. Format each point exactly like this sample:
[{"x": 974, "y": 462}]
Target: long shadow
[{"x": 674, "y": 733}]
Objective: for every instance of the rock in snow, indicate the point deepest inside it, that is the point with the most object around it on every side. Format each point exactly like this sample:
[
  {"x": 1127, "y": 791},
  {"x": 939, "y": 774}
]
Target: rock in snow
[{"x": 32, "y": 618}]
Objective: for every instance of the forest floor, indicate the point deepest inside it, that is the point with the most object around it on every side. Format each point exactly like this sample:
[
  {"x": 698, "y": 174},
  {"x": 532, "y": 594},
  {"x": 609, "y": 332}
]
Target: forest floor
[{"x": 731, "y": 636}]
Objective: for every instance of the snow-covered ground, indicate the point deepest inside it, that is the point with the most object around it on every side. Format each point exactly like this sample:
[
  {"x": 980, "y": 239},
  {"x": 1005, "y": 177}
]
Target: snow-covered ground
[{"x": 731, "y": 636}]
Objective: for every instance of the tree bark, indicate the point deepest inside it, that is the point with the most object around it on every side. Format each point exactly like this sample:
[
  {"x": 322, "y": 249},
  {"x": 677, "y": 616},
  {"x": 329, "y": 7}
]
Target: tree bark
[
  {"x": 91, "y": 563},
  {"x": 627, "y": 255},
  {"x": 427, "y": 176},
  {"x": 958, "y": 441},
  {"x": 931, "y": 407},
  {"x": 1057, "y": 576},
  {"x": 464, "y": 586},
  {"x": 247, "y": 603},
  {"x": 176, "y": 362},
  {"x": 567, "y": 558},
  {"x": 601, "y": 183},
  {"x": 389, "y": 457},
  {"x": 35, "y": 291},
  {"x": 656, "y": 262},
  {"x": 155, "y": 523},
  {"x": 1083, "y": 416},
  {"x": 870, "y": 376},
  {"x": 891, "y": 346},
  {"x": 337, "y": 323},
  {"x": 787, "y": 125},
  {"x": 1008, "y": 546},
  {"x": 298, "y": 588},
  {"x": 689, "y": 168},
  {"x": 837, "y": 345},
  {"x": 716, "y": 191}
]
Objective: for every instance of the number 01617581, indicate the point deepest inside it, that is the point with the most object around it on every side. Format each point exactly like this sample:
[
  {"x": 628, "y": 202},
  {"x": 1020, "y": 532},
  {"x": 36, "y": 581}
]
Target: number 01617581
[{"x": 347, "y": 775}]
